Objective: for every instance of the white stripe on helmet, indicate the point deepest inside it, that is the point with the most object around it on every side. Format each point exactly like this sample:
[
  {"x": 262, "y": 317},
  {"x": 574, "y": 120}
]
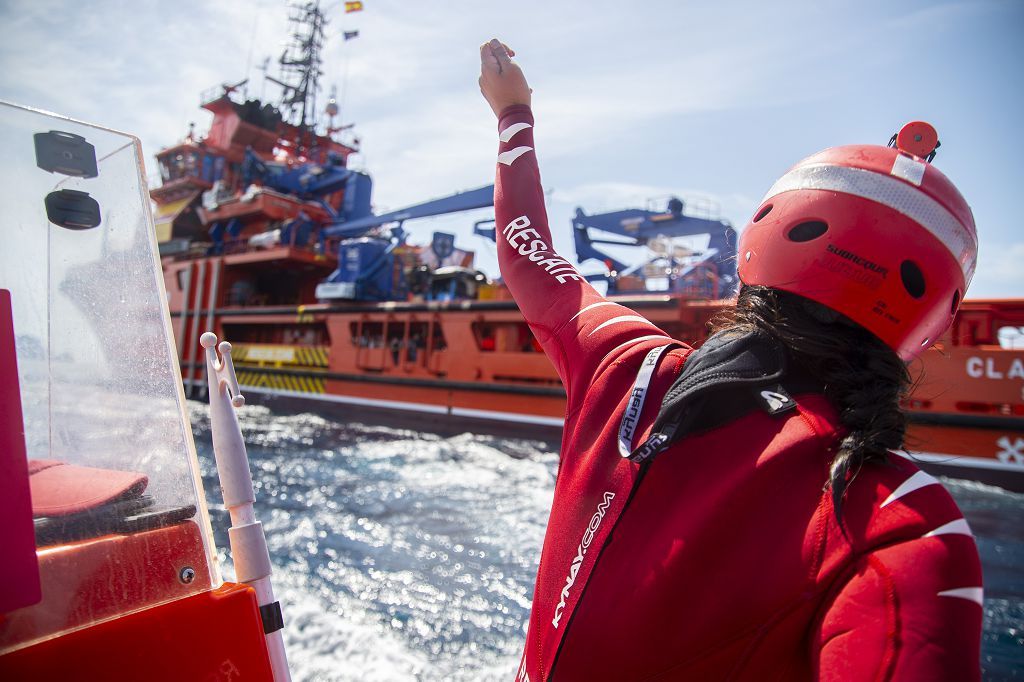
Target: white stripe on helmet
[{"x": 892, "y": 192}]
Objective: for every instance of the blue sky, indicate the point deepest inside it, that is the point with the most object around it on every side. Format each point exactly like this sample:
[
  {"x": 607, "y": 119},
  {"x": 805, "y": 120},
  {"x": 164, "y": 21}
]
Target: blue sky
[{"x": 633, "y": 100}]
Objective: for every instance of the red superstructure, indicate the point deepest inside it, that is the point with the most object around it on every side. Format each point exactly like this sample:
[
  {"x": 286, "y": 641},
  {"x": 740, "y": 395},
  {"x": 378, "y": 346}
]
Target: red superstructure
[{"x": 243, "y": 133}]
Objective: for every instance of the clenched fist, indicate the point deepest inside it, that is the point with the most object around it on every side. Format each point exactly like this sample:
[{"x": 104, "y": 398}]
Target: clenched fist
[{"x": 501, "y": 80}]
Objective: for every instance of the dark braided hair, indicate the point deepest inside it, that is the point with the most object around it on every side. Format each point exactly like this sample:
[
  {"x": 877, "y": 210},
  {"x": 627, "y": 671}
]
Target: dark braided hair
[{"x": 862, "y": 377}]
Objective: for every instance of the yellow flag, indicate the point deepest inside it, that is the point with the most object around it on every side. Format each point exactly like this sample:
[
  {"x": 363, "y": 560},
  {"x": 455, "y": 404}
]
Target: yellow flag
[{"x": 353, "y": 7}]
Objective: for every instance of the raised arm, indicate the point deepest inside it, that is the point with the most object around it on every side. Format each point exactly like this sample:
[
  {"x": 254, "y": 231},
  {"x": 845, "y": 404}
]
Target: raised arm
[{"x": 578, "y": 328}]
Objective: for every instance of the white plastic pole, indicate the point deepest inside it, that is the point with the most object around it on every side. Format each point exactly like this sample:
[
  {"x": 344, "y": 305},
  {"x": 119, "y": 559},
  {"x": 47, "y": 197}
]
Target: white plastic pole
[{"x": 248, "y": 543}]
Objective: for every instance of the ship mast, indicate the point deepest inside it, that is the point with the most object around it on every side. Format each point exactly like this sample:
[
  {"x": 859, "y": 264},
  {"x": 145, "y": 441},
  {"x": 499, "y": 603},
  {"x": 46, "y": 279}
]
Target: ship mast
[{"x": 300, "y": 69}]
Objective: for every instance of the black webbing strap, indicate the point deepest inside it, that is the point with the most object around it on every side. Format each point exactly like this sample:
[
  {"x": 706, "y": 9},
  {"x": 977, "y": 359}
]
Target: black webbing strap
[
  {"x": 730, "y": 375},
  {"x": 273, "y": 619}
]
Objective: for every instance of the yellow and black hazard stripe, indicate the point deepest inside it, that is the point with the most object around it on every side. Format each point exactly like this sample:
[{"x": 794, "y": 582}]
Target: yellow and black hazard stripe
[
  {"x": 304, "y": 356},
  {"x": 239, "y": 351},
  {"x": 311, "y": 356},
  {"x": 281, "y": 382}
]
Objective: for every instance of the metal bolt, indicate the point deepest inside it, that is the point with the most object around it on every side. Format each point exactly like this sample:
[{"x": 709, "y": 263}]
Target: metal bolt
[{"x": 187, "y": 575}]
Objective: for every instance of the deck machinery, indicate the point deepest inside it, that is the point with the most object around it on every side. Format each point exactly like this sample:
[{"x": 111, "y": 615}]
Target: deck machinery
[{"x": 708, "y": 272}]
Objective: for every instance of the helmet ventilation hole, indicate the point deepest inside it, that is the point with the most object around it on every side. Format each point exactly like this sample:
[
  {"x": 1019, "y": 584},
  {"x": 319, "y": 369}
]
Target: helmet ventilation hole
[
  {"x": 924, "y": 344},
  {"x": 762, "y": 213},
  {"x": 806, "y": 231},
  {"x": 956, "y": 302},
  {"x": 913, "y": 278},
  {"x": 747, "y": 256}
]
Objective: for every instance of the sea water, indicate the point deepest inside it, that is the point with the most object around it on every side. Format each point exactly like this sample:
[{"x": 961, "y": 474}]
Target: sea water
[{"x": 406, "y": 555}]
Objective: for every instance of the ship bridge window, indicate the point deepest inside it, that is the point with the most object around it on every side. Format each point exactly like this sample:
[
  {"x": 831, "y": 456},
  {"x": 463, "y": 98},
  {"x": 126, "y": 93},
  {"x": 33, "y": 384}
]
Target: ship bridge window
[
  {"x": 177, "y": 165},
  {"x": 437, "y": 340},
  {"x": 406, "y": 342},
  {"x": 417, "y": 342},
  {"x": 213, "y": 167},
  {"x": 412, "y": 337},
  {"x": 367, "y": 334}
]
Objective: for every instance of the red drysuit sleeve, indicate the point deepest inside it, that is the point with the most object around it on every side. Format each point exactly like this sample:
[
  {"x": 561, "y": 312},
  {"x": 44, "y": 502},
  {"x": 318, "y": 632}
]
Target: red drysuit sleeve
[
  {"x": 577, "y": 327},
  {"x": 909, "y": 611}
]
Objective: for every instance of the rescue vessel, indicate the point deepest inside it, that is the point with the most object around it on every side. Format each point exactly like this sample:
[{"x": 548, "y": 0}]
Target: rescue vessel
[{"x": 268, "y": 237}]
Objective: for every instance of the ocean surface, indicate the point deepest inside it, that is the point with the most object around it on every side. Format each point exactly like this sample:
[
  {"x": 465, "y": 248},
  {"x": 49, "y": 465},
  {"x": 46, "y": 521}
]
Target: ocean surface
[{"x": 403, "y": 554}]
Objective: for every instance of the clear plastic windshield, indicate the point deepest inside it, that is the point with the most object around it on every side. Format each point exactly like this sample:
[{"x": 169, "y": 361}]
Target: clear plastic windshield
[{"x": 118, "y": 514}]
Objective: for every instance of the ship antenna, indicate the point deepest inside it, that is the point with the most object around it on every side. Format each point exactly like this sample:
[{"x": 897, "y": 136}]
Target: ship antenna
[
  {"x": 300, "y": 69},
  {"x": 248, "y": 57},
  {"x": 264, "y": 67},
  {"x": 344, "y": 75}
]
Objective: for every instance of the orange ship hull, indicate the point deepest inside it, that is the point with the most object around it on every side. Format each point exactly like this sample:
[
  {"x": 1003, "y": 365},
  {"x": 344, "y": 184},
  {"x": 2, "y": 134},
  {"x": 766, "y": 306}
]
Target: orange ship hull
[{"x": 478, "y": 360}]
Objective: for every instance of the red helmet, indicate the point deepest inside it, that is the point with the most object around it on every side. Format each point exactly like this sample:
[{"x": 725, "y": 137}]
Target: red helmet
[{"x": 875, "y": 233}]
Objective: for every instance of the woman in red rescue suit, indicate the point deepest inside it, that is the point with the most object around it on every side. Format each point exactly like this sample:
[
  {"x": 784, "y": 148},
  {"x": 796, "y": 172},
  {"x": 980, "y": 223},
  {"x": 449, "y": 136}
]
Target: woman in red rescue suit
[{"x": 734, "y": 512}]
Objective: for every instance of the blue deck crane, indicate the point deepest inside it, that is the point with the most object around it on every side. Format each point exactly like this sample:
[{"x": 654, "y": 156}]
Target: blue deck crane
[
  {"x": 707, "y": 273},
  {"x": 367, "y": 268}
]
